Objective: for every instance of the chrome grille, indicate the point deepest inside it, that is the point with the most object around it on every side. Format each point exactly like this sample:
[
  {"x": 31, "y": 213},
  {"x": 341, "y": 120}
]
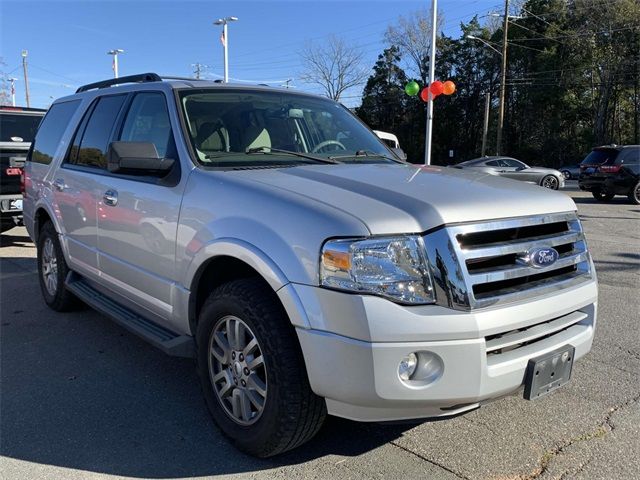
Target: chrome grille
[{"x": 484, "y": 264}]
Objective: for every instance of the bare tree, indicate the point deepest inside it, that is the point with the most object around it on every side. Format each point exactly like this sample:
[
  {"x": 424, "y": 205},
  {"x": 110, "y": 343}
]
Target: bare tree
[
  {"x": 412, "y": 36},
  {"x": 333, "y": 65},
  {"x": 5, "y": 96}
]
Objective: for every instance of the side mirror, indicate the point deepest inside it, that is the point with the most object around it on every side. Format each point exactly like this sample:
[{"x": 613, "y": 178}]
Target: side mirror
[
  {"x": 138, "y": 157},
  {"x": 398, "y": 152}
]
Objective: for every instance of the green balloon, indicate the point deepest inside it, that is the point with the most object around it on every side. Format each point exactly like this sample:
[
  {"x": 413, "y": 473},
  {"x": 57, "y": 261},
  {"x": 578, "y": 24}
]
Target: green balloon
[{"x": 412, "y": 88}]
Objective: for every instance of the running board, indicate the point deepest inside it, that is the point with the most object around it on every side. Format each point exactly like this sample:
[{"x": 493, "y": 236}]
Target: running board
[{"x": 157, "y": 335}]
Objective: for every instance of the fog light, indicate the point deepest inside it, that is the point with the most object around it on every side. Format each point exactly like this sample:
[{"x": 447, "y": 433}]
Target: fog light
[{"x": 407, "y": 366}]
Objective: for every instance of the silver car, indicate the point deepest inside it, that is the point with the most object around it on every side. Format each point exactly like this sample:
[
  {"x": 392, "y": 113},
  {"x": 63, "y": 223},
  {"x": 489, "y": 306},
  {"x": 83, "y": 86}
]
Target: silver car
[
  {"x": 511, "y": 168},
  {"x": 272, "y": 237}
]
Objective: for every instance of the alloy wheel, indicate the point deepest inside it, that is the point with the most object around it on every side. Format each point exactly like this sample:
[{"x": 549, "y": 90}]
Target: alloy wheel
[
  {"x": 550, "y": 182},
  {"x": 237, "y": 370},
  {"x": 50, "y": 267}
]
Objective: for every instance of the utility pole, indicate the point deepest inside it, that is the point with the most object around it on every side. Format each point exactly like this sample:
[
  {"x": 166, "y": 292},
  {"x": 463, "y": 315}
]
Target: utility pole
[
  {"x": 114, "y": 65},
  {"x": 224, "y": 38},
  {"x": 432, "y": 74},
  {"x": 504, "y": 77},
  {"x": 487, "y": 101},
  {"x": 13, "y": 91},
  {"x": 26, "y": 76},
  {"x": 198, "y": 68}
]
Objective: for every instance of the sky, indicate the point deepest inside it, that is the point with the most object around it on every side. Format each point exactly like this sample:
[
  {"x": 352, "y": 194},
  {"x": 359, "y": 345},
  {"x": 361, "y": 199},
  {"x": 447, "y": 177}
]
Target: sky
[{"x": 67, "y": 41}]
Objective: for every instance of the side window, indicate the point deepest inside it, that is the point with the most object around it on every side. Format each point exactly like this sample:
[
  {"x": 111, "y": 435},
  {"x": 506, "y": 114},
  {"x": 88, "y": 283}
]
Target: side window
[
  {"x": 51, "y": 130},
  {"x": 148, "y": 121},
  {"x": 493, "y": 163},
  {"x": 633, "y": 156},
  {"x": 95, "y": 140},
  {"x": 514, "y": 163}
]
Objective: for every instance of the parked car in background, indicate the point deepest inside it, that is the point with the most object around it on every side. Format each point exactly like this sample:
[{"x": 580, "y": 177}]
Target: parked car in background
[
  {"x": 508, "y": 167},
  {"x": 570, "y": 172},
  {"x": 612, "y": 170},
  {"x": 18, "y": 126},
  {"x": 273, "y": 237}
]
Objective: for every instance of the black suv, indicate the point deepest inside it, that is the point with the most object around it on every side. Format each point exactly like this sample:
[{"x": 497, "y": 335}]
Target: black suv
[
  {"x": 612, "y": 170},
  {"x": 18, "y": 126}
]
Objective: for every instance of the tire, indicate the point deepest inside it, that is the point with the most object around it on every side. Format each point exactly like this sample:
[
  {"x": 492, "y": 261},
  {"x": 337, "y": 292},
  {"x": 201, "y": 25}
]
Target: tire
[
  {"x": 634, "y": 194},
  {"x": 53, "y": 270},
  {"x": 551, "y": 182},
  {"x": 602, "y": 197},
  {"x": 291, "y": 413}
]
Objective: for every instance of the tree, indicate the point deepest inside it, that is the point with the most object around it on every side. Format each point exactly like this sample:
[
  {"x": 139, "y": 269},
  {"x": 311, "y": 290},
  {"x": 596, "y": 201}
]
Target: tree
[
  {"x": 5, "y": 89},
  {"x": 334, "y": 66}
]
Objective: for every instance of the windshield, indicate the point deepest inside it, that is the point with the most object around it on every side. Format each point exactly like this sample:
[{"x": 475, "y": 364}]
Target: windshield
[
  {"x": 601, "y": 156},
  {"x": 239, "y": 128},
  {"x": 17, "y": 127}
]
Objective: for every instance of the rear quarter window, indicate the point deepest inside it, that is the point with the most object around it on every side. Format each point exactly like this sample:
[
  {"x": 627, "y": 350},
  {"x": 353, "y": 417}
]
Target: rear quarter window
[{"x": 51, "y": 130}]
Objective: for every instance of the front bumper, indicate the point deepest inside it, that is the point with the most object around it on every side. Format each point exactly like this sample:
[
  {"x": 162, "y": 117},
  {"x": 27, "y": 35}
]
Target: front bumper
[{"x": 355, "y": 343}]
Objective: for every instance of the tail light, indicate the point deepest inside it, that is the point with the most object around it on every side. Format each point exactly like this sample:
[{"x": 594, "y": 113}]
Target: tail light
[
  {"x": 23, "y": 190},
  {"x": 609, "y": 168}
]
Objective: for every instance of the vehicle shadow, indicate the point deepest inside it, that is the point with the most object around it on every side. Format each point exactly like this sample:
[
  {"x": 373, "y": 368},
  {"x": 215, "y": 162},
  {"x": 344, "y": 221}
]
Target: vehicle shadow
[
  {"x": 80, "y": 392},
  {"x": 590, "y": 200},
  {"x": 15, "y": 238}
]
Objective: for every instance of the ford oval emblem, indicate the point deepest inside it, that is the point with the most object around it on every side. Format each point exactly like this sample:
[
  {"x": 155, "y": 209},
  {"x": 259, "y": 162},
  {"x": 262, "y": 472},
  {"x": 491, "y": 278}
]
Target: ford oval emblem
[{"x": 542, "y": 257}]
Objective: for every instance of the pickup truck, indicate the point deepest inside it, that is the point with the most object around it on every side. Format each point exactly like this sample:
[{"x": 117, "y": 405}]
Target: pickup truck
[
  {"x": 270, "y": 235},
  {"x": 18, "y": 126}
]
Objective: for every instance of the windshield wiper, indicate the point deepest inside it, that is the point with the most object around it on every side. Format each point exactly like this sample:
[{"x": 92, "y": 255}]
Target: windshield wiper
[
  {"x": 268, "y": 150},
  {"x": 367, "y": 154}
]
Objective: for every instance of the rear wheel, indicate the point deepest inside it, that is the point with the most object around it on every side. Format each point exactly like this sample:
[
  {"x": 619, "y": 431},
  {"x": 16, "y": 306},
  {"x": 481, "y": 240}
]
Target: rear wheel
[
  {"x": 252, "y": 371},
  {"x": 53, "y": 270},
  {"x": 551, "y": 182},
  {"x": 602, "y": 197},
  {"x": 634, "y": 194}
]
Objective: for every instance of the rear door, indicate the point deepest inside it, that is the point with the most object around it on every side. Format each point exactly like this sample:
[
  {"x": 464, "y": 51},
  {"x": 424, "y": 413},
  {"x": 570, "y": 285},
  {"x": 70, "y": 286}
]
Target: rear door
[
  {"x": 138, "y": 215},
  {"x": 77, "y": 183}
]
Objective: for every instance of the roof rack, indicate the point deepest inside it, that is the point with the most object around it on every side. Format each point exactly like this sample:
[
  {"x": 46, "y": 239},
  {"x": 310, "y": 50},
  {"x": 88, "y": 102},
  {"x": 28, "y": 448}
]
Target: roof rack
[{"x": 139, "y": 78}]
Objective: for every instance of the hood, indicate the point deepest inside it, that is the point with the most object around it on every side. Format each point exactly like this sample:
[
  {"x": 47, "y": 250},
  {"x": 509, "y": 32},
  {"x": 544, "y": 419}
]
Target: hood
[{"x": 394, "y": 198}]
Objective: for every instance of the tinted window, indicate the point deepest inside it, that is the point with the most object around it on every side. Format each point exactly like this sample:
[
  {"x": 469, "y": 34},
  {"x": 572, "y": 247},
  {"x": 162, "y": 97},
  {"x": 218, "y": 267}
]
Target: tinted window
[
  {"x": 493, "y": 163},
  {"x": 632, "y": 156},
  {"x": 601, "y": 156},
  {"x": 18, "y": 127},
  {"x": 148, "y": 121},
  {"x": 95, "y": 140},
  {"x": 51, "y": 131},
  {"x": 513, "y": 163}
]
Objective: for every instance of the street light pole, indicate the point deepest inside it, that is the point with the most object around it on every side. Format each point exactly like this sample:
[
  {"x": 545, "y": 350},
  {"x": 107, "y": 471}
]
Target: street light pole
[
  {"x": 26, "y": 76},
  {"x": 487, "y": 101},
  {"x": 432, "y": 74},
  {"x": 504, "y": 77},
  {"x": 225, "y": 42},
  {"x": 115, "y": 52}
]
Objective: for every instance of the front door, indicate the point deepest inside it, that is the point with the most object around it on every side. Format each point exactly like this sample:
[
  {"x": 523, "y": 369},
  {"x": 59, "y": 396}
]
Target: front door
[{"x": 138, "y": 215}]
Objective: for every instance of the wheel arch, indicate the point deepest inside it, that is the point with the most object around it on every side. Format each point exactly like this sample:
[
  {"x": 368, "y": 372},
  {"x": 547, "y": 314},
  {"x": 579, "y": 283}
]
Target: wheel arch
[{"x": 231, "y": 259}]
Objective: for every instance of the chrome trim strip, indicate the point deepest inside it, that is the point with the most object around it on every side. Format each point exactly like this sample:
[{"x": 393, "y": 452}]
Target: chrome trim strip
[
  {"x": 520, "y": 246},
  {"x": 522, "y": 271},
  {"x": 516, "y": 337}
]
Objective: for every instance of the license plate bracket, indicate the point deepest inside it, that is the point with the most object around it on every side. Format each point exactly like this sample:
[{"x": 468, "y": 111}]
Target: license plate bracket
[{"x": 548, "y": 372}]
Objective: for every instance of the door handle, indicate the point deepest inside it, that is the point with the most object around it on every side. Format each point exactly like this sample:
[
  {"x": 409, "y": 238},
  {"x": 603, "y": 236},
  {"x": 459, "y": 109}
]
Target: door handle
[
  {"x": 59, "y": 184},
  {"x": 110, "y": 198}
]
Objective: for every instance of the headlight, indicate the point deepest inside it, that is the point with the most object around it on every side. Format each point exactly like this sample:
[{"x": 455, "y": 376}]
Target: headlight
[{"x": 393, "y": 267}]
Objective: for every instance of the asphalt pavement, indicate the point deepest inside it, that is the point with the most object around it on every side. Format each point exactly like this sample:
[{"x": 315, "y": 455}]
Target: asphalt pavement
[{"x": 81, "y": 398}]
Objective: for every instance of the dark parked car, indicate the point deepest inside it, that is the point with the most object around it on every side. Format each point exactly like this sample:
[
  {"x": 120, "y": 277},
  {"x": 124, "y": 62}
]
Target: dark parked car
[
  {"x": 570, "y": 172},
  {"x": 508, "y": 167},
  {"x": 612, "y": 170},
  {"x": 18, "y": 126}
]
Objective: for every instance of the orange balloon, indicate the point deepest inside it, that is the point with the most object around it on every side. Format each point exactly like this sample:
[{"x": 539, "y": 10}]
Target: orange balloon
[{"x": 448, "y": 87}]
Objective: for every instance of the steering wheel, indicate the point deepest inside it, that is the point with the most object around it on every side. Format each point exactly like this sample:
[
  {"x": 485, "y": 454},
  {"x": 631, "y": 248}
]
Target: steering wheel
[{"x": 326, "y": 143}]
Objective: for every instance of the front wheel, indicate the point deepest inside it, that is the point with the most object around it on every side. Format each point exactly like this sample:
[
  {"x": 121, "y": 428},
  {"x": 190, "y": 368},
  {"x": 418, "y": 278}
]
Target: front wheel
[
  {"x": 566, "y": 174},
  {"x": 551, "y": 182},
  {"x": 602, "y": 197},
  {"x": 252, "y": 371},
  {"x": 634, "y": 194}
]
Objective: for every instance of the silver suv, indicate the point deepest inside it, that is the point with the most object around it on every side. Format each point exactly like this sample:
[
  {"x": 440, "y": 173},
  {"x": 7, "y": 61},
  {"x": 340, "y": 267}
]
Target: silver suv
[{"x": 273, "y": 237}]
